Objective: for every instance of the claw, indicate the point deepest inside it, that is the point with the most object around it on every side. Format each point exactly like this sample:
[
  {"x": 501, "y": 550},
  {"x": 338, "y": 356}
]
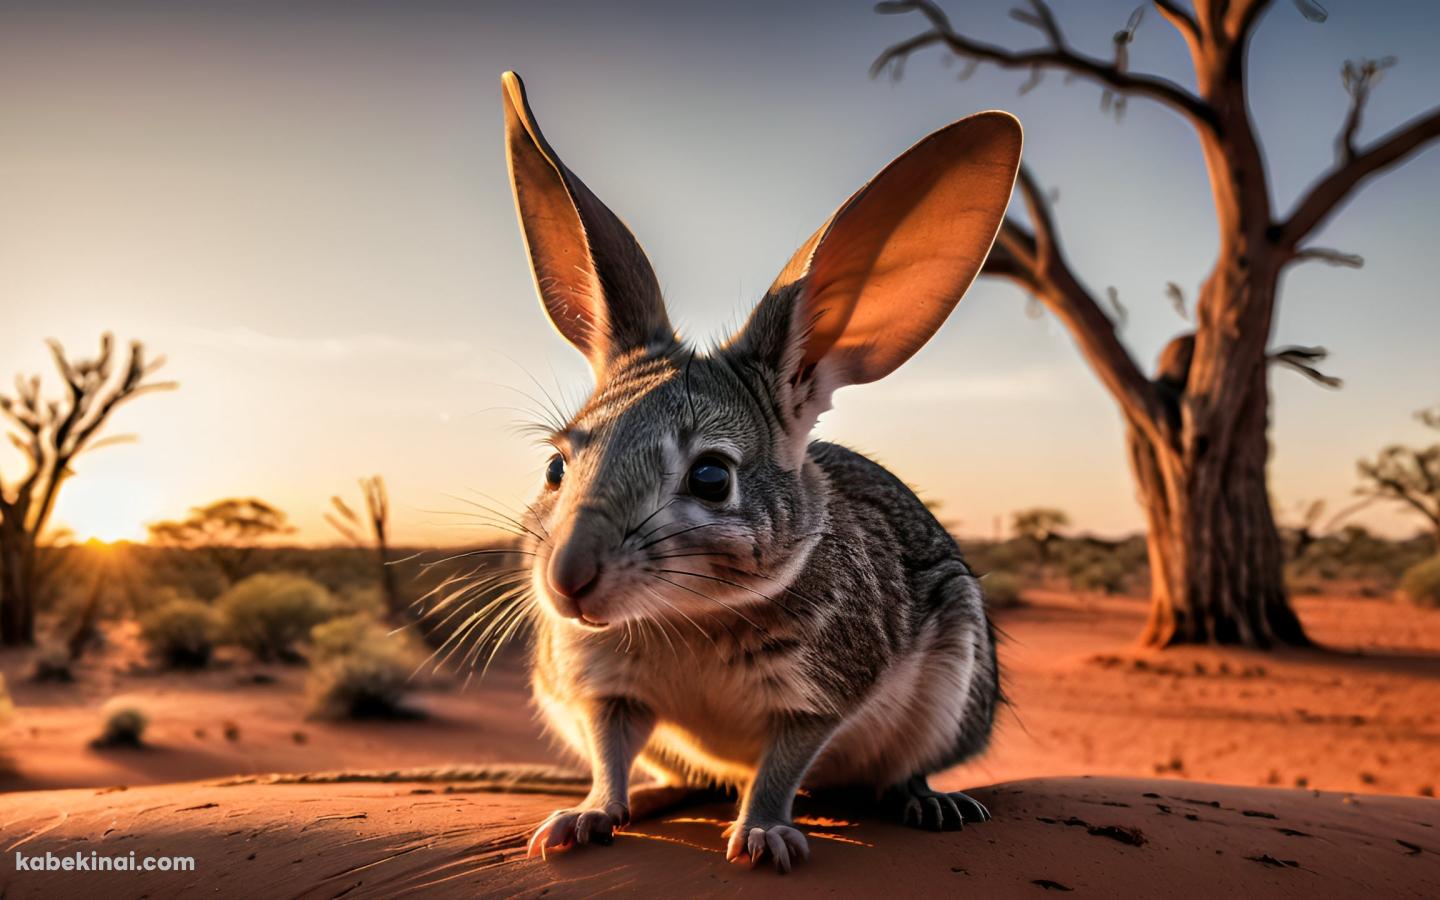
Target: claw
[
  {"x": 571, "y": 827},
  {"x": 951, "y": 818},
  {"x": 938, "y": 810},
  {"x": 783, "y": 844}
]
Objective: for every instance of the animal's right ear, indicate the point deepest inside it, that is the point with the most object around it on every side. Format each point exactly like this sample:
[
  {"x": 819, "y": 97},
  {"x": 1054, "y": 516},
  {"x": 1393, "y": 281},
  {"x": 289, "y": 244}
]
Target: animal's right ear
[{"x": 594, "y": 280}]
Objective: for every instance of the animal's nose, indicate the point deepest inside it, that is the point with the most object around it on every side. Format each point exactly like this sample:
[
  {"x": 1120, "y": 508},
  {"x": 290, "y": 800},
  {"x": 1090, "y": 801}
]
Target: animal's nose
[{"x": 574, "y": 570}]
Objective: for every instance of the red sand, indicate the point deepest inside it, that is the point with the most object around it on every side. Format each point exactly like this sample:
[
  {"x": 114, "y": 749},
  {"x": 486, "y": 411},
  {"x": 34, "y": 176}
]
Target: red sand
[
  {"x": 1096, "y": 837},
  {"x": 1085, "y": 703}
]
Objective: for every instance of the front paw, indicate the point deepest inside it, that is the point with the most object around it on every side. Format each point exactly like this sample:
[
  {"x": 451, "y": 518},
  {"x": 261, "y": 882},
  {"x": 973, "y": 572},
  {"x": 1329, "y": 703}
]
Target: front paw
[
  {"x": 587, "y": 825},
  {"x": 783, "y": 843}
]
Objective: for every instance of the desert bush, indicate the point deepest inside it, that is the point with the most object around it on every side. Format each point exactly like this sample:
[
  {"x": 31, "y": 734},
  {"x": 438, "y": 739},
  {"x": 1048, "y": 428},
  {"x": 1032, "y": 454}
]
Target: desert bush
[
  {"x": 358, "y": 669},
  {"x": 1096, "y": 571},
  {"x": 270, "y": 614},
  {"x": 1421, "y": 583},
  {"x": 181, "y": 632},
  {"x": 1354, "y": 555},
  {"x": 361, "y": 599},
  {"x": 1002, "y": 590},
  {"x": 124, "y": 727},
  {"x": 52, "y": 663}
]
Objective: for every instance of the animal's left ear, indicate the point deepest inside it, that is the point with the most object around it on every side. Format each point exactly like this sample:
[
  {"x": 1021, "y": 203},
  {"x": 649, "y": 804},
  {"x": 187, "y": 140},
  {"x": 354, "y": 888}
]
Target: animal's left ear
[{"x": 872, "y": 285}]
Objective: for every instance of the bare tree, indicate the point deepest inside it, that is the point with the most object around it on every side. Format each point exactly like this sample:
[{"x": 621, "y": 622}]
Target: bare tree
[
  {"x": 227, "y": 531},
  {"x": 1409, "y": 476},
  {"x": 373, "y": 532},
  {"x": 1198, "y": 430},
  {"x": 51, "y": 434}
]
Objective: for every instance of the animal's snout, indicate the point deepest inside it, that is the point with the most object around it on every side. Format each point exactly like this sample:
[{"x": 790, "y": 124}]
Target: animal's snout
[{"x": 574, "y": 570}]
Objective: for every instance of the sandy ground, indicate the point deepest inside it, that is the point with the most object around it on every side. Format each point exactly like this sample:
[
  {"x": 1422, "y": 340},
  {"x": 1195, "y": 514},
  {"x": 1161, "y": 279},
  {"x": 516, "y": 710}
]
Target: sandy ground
[
  {"x": 1098, "y": 837},
  {"x": 1356, "y": 721}
]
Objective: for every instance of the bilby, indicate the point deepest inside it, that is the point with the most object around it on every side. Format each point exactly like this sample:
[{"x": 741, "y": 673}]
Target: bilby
[{"x": 718, "y": 598}]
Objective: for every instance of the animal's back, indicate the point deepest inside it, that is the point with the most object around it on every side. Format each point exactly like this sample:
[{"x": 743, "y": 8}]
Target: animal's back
[{"x": 933, "y": 702}]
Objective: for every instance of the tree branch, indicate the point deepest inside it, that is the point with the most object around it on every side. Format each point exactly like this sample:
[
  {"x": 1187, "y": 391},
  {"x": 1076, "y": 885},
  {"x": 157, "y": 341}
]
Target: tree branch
[
  {"x": 1327, "y": 194},
  {"x": 1058, "y": 55},
  {"x": 1033, "y": 260},
  {"x": 1183, "y": 22},
  {"x": 1329, "y": 257}
]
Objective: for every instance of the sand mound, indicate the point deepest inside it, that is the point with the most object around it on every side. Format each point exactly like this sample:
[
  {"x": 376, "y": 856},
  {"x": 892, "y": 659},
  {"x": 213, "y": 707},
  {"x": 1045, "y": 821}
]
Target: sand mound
[{"x": 366, "y": 837}]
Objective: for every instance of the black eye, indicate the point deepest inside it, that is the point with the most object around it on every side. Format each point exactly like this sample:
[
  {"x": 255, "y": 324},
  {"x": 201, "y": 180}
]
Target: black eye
[
  {"x": 709, "y": 479},
  {"x": 555, "y": 472}
]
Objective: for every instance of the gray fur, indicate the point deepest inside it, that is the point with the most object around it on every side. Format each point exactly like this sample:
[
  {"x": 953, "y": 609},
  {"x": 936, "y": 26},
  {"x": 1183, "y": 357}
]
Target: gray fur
[
  {"x": 883, "y": 584},
  {"x": 815, "y": 627}
]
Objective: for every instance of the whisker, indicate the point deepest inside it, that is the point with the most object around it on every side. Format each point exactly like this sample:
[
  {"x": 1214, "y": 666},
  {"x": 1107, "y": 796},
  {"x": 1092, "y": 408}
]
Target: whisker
[
  {"x": 658, "y": 596},
  {"x": 659, "y": 509},
  {"x": 814, "y": 603},
  {"x": 518, "y": 622},
  {"x": 727, "y": 581},
  {"x": 503, "y": 516},
  {"x": 692, "y": 553},
  {"x": 703, "y": 596},
  {"x": 529, "y": 508},
  {"x": 470, "y": 553},
  {"x": 676, "y": 534}
]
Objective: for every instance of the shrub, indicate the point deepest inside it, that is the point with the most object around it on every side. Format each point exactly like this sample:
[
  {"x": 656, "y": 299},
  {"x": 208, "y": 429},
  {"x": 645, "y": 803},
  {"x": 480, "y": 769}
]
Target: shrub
[
  {"x": 358, "y": 669},
  {"x": 124, "y": 727},
  {"x": 181, "y": 632},
  {"x": 52, "y": 663},
  {"x": 366, "y": 598},
  {"x": 1098, "y": 574},
  {"x": 269, "y": 614},
  {"x": 1421, "y": 583},
  {"x": 1002, "y": 590}
]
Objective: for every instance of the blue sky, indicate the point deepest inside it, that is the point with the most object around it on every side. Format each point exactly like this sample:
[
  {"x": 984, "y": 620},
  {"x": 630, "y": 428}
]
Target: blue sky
[{"x": 305, "y": 206}]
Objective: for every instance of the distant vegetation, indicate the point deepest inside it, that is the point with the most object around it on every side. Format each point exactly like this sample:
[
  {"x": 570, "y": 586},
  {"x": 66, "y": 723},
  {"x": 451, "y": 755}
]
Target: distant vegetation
[
  {"x": 124, "y": 727},
  {"x": 1421, "y": 585},
  {"x": 270, "y": 614},
  {"x": 359, "y": 669}
]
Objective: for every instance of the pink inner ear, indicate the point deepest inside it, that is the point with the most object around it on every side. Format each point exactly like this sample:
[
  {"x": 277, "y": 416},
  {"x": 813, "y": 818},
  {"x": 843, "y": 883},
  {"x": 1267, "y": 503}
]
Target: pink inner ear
[
  {"x": 578, "y": 247},
  {"x": 898, "y": 256}
]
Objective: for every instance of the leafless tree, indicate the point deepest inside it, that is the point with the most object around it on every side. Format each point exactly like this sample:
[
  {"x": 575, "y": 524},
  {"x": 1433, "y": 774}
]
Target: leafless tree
[
  {"x": 372, "y": 532},
  {"x": 1409, "y": 476},
  {"x": 51, "y": 434},
  {"x": 1197, "y": 431}
]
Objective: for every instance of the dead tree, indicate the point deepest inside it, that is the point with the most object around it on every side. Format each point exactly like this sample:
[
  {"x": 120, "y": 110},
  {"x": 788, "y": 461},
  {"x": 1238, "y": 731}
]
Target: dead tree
[
  {"x": 376, "y": 527},
  {"x": 1409, "y": 476},
  {"x": 51, "y": 434},
  {"x": 1198, "y": 431}
]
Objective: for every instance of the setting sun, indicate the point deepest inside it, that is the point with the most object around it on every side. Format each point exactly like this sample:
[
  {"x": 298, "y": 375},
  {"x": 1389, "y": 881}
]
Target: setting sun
[{"x": 107, "y": 511}]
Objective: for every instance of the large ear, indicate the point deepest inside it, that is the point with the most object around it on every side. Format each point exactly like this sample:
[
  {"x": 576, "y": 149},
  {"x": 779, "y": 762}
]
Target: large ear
[
  {"x": 877, "y": 280},
  {"x": 593, "y": 278}
]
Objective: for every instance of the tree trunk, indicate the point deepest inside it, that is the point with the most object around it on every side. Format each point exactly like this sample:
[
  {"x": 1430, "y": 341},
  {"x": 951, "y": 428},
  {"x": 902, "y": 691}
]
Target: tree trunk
[
  {"x": 17, "y": 589},
  {"x": 389, "y": 584},
  {"x": 1216, "y": 559}
]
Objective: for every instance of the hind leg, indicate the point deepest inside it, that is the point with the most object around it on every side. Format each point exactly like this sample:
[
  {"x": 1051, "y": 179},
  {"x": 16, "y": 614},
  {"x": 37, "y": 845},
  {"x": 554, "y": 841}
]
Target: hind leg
[{"x": 921, "y": 806}]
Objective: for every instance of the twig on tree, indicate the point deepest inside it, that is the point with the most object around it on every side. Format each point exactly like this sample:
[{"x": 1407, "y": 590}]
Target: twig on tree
[
  {"x": 1303, "y": 360},
  {"x": 1353, "y": 166},
  {"x": 1329, "y": 257},
  {"x": 1058, "y": 55}
]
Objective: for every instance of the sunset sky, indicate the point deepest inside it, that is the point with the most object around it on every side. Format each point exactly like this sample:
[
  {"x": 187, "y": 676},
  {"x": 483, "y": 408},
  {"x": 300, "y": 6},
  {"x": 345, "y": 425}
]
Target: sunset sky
[{"x": 305, "y": 207}]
